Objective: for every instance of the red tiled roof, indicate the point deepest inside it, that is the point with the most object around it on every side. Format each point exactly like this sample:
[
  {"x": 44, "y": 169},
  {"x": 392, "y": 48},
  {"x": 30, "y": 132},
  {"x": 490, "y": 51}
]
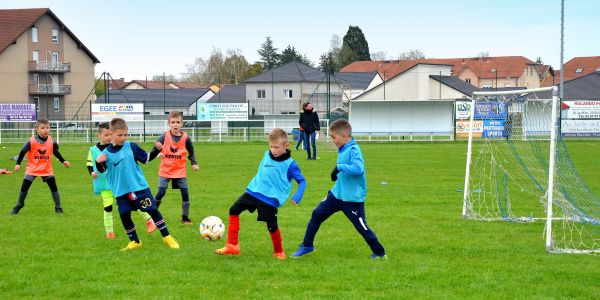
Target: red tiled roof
[
  {"x": 190, "y": 85},
  {"x": 117, "y": 84},
  {"x": 506, "y": 66},
  {"x": 152, "y": 84},
  {"x": 15, "y": 22},
  {"x": 588, "y": 65}
]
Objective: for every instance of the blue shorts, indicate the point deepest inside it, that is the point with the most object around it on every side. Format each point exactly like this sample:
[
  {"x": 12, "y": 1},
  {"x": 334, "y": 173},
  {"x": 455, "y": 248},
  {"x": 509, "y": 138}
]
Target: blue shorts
[{"x": 142, "y": 200}]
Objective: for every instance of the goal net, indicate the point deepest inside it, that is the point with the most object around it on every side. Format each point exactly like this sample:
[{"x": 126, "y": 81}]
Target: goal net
[{"x": 518, "y": 170}]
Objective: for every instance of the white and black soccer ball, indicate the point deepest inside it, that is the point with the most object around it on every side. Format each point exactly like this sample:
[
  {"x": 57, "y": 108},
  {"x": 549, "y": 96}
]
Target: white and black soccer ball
[{"x": 212, "y": 228}]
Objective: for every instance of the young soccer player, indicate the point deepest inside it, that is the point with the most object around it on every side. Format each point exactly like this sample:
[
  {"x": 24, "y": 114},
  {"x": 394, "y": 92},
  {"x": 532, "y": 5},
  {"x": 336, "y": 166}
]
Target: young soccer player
[
  {"x": 39, "y": 150},
  {"x": 267, "y": 191},
  {"x": 101, "y": 186},
  {"x": 174, "y": 145},
  {"x": 348, "y": 193},
  {"x": 128, "y": 184}
]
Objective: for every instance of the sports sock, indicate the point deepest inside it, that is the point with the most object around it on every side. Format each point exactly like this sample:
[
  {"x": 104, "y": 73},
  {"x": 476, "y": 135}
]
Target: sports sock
[
  {"x": 161, "y": 193},
  {"x": 56, "y": 198},
  {"x": 23, "y": 193},
  {"x": 233, "y": 230},
  {"x": 144, "y": 215},
  {"x": 185, "y": 202},
  {"x": 129, "y": 226},
  {"x": 276, "y": 239},
  {"x": 159, "y": 222},
  {"x": 108, "y": 221}
]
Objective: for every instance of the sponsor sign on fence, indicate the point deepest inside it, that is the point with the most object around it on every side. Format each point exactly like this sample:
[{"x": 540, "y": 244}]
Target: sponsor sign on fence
[
  {"x": 463, "y": 110},
  {"x": 580, "y": 109},
  {"x": 582, "y": 128},
  {"x": 490, "y": 110},
  {"x": 17, "y": 112},
  {"x": 462, "y": 128},
  {"x": 130, "y": 112},
  {"x": 222, "y": 111}
]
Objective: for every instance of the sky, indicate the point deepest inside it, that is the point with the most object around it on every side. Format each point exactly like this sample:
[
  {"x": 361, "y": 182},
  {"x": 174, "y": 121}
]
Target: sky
[{"x": 137, "y": 39}]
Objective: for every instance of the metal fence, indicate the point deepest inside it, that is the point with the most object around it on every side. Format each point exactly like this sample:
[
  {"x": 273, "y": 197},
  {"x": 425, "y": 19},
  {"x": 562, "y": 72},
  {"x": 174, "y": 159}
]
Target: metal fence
[{"x": 150, "y": 130}]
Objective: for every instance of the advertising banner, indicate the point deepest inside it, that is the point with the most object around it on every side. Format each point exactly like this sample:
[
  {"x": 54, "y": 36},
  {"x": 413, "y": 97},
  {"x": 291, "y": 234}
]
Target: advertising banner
[
  {"x": 463, "y": 127},
  {"x": 583, "y": 128},
  {"x": 130, "y": 112},
  {"x": 463, "y": 110},
  {"x": 491, "y": 110},
  {"x": 494, "y": 128},
  {"x": 17, "y": 112},
  {"x": 222, "y": 112},
  {"x": 580, "y": 110}
]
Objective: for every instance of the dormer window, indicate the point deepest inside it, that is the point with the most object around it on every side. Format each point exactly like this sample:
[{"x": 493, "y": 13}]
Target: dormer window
[
  {"x": 598, "y": 70},
  {"x": 493, "y": 70},
  {"x": 579, "y": 70}
]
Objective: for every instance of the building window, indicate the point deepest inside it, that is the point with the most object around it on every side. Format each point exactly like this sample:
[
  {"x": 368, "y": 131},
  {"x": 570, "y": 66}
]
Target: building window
[
  {"x": 493, "y": 70},
  {"x": 36, "y": 101},
  {"x": 55, "y": 36},
  {"x": 35, "y": 55},
  {"x": 598, "y": 70},
  {"x": 287, "y": 94},
  {"x": 34, "y": 34},
  {"x": 35, "y": 78},
  {"x": 468, "y": 80},
  {"x": 579, "y": 70},
  {"x": 261, "y": 94},
  {"x": 486, "y": 86},
  {"x": 56, "y": 103}
]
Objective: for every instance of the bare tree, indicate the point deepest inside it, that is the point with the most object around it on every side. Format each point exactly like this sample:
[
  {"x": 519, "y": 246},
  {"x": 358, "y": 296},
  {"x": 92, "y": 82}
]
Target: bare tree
[
  {"x": 380, "y": 56},
  {"x": 411, "y": 54}
]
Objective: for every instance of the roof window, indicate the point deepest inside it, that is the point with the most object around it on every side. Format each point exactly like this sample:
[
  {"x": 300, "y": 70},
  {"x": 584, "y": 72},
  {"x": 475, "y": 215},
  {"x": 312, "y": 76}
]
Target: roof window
[{"x": 579, "y": 70}]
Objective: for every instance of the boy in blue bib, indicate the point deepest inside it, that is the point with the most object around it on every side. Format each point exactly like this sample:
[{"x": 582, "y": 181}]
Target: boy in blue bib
[
  {"x": 129, "y": 186},
  {"x": 267, "y": 191},
  {"x": 348, "y": 193}
]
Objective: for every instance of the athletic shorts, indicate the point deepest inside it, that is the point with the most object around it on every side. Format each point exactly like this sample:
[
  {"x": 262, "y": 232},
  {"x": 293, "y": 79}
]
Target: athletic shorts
[
  {"x": 266, "y": 213},
  {"x": 142, "y": 200},
  {"x": 33, "y": 177},
  {"x": 176, "y": 183}
]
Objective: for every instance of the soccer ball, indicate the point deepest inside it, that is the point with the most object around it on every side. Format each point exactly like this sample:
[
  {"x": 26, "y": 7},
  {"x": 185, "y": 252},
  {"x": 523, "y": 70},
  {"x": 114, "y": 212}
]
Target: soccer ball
[{"x": 212, "y": 228}]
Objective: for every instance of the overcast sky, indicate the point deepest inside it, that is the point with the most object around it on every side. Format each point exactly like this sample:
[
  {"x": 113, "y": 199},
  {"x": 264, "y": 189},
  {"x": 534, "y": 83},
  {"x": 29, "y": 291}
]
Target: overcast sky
[{"x": 134, "y": 39}]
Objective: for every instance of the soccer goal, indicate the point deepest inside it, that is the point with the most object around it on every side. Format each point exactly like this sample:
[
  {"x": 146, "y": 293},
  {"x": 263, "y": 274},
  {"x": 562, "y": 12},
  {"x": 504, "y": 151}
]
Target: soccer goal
[{"x": 518, "y": 170}]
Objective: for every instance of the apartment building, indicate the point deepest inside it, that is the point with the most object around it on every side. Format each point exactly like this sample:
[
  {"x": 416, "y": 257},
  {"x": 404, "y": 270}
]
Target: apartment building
[{"x": 43, "y": 62}]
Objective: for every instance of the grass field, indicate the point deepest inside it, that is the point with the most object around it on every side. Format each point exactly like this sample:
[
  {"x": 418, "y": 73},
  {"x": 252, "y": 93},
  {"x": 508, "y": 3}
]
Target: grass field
[{"x": 432, "y": 252}]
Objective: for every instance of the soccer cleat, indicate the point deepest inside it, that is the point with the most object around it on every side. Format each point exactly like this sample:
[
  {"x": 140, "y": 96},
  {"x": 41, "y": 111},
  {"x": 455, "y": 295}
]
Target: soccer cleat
[
  {"x": 58, "y": 210},
  {"x": 133, "y": 245},
  {"x": 302, "y": 250},
  {"x": 16, "y": 209},
  {"x": 378, "y": 256},
  {"x": 186, "y": 221},
  {"x": 150, "y": 226},
  {"x": 171, "y": 242},
  {"x": 279, "y": 255},
  {"x": 229, "y": 249},
  {"x": 110, "y": 235}
]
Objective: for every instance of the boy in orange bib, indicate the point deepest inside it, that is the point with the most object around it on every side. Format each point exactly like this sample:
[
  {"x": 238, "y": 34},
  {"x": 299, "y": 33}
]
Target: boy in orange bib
[
  {"x": 39, "y": 150},
  {"x": 175, "y": 146}
]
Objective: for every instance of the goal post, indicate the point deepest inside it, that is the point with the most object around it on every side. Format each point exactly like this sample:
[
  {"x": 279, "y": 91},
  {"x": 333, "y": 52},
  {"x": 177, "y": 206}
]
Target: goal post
[{"x": 518, "y": 169}]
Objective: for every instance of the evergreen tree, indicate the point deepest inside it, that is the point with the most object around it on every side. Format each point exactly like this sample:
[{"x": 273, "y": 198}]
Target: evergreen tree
[
  {"x": 268, "y": 54},
  {"x": 354, "y": 47}
]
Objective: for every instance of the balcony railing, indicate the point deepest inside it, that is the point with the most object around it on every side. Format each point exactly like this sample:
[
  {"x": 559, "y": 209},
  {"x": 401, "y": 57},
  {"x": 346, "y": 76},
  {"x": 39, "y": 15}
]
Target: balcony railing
[
  {"x": 50, "y": 89},
  {"x": 49, "y": 66}
]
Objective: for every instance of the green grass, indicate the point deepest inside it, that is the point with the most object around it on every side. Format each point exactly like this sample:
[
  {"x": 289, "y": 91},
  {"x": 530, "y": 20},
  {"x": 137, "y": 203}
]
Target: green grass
[{"x": 432, "y": 252}]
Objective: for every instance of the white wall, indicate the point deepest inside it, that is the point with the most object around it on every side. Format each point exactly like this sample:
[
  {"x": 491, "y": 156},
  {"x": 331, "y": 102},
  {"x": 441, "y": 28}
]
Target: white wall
[{"x": 417, "y": 117}]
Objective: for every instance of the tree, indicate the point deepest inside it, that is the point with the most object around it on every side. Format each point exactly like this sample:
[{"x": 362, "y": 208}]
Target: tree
[
  {"x": 380, "y": 56},
  {"x": 290, "y": 54},
  {"x": 253, "y": 70},
  {"x": 354, "y": 47},
  {"x": 483, "y": 54},
  {"x": 235, "y": 66},
  {"x": 167, "y": 78},
  {"x": 539, "y": 61},
  {"x": 268, "y": 54},
  {"x": 328, "y": 63},
  {"x": 100, "y": 87},
  {"x": 412, "y": 54}
]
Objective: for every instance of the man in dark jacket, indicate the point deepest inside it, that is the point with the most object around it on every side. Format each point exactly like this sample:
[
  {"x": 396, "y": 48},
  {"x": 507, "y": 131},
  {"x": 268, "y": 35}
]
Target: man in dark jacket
[{"x": 309, "y": 120}]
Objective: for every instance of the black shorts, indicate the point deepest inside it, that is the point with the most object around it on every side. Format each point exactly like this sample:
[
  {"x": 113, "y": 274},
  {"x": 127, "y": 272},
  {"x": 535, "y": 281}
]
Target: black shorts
[{"x": 266, "y": 213}]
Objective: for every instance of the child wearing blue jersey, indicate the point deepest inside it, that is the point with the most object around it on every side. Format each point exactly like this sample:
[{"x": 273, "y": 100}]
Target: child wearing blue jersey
[
  {"x": 128, "y": 184},
  {"x": 348, "y": 193},
  {"x": 101, "y": 186},
  {"x": 267, "y": 191}
]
